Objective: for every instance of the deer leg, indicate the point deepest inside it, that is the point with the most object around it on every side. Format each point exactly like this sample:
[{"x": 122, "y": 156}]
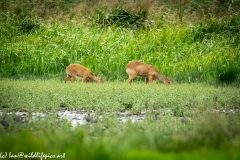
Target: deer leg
[
  {"x": 73, "y": 79},
  {"x": 67, "y": 78},
  {"x": 146, "y": 80},
  {"x": 84, "y": 79},
  {"x": 88, "y": 79},
  {"x": 131, "y": 78},
  {"x": 150, "y": 78}
]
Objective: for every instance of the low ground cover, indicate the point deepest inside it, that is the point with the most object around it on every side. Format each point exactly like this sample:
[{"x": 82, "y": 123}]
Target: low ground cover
[{"x": 193, "y": 118}]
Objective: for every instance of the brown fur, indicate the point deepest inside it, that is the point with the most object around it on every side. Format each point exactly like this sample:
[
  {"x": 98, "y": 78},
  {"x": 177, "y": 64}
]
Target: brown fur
[
  {"x": 74, "y": 70},
  {"x": 137, "y": 68}
]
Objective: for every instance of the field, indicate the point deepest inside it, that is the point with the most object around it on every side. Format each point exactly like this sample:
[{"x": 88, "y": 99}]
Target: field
[
  {"x": 196, "y": 43},
  {"x": 181, "y": 120}
]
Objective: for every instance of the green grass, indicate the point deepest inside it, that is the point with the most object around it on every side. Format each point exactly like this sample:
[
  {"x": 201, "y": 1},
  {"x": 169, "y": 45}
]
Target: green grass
[
  {"x": 55, "y": 45},
  {"x": 211, "y": 126},
  {"x": 207, "y": 51},
  {"x": 196, "y": 43},
  {"x": 39, "y": 94}
]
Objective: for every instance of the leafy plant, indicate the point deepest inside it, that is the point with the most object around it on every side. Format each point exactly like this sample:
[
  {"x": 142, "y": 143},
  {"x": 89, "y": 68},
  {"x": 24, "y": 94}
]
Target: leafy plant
[
  {"x": 212, "y": 28},
  {"x": 121, "y": 17}
]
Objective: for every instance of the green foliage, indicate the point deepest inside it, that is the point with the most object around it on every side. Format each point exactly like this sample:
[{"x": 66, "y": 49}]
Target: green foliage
[
  {"x": 187, "y": 121},
  {"x": 12, "y": 25},
  {"x": 211, "y": 29},
  {"x": 192, "y": 118},
  {"x": 53, "y": 46},
  {"x": 205, "y": 52},
  {"x": 41, "y": 8},
  {"x": 121, "y": 17},
  {"x": 124, "y": 18}
]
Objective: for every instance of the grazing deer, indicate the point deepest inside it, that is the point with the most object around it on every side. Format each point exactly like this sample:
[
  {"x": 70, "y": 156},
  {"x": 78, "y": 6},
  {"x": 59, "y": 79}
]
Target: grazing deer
[
  {"x": 74, "y": 70},
  {"x": 137, "y": 68}
]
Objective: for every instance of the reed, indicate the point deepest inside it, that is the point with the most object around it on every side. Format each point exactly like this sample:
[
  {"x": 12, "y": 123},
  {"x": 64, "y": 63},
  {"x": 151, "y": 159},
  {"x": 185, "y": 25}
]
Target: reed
[{"x": 36, "y": 46}]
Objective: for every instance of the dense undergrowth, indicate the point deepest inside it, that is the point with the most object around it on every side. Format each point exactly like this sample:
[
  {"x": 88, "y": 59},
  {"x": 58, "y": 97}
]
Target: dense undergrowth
[
  {"x": 207, "y": 51},
  {"x": 192, "y": 41}
]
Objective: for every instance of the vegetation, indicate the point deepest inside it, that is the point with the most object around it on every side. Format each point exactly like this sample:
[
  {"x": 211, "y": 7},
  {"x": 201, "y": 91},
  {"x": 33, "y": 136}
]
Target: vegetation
[
  {"x": 180, "y": 118},
  {"x": 207, "y": 51},
  {"x": 195, "y": 42}
]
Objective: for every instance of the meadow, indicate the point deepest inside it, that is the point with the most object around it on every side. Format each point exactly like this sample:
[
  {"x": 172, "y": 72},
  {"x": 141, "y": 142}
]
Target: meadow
[
  {"x": 181, "y": 120},
  {"x": 195, "y": 43}
]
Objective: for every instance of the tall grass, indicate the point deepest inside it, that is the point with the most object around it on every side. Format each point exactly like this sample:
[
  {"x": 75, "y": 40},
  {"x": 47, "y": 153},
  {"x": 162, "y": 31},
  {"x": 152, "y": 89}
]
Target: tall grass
[
  {"x": 205, "y": 52},
  {"x": 174, "y": 50}
]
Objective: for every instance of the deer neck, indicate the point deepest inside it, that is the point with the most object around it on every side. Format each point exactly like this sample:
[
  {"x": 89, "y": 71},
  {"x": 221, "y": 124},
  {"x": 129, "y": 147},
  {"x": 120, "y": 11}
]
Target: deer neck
[
  {"x": 94, "y": 78},
  {"x": 161, "y": 77}
]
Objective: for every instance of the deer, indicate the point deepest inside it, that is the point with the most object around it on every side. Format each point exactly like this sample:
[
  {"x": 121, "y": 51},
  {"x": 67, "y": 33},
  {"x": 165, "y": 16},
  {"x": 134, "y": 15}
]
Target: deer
[
  {"x": 138, "y": 68},
  {"x": 74, "y": 70}
]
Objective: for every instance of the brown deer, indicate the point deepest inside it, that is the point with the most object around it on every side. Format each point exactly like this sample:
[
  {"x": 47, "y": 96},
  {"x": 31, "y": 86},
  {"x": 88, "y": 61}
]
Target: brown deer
[
  {"x": 137, "y": 68},
  {"x": 74, "y": 70}
]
